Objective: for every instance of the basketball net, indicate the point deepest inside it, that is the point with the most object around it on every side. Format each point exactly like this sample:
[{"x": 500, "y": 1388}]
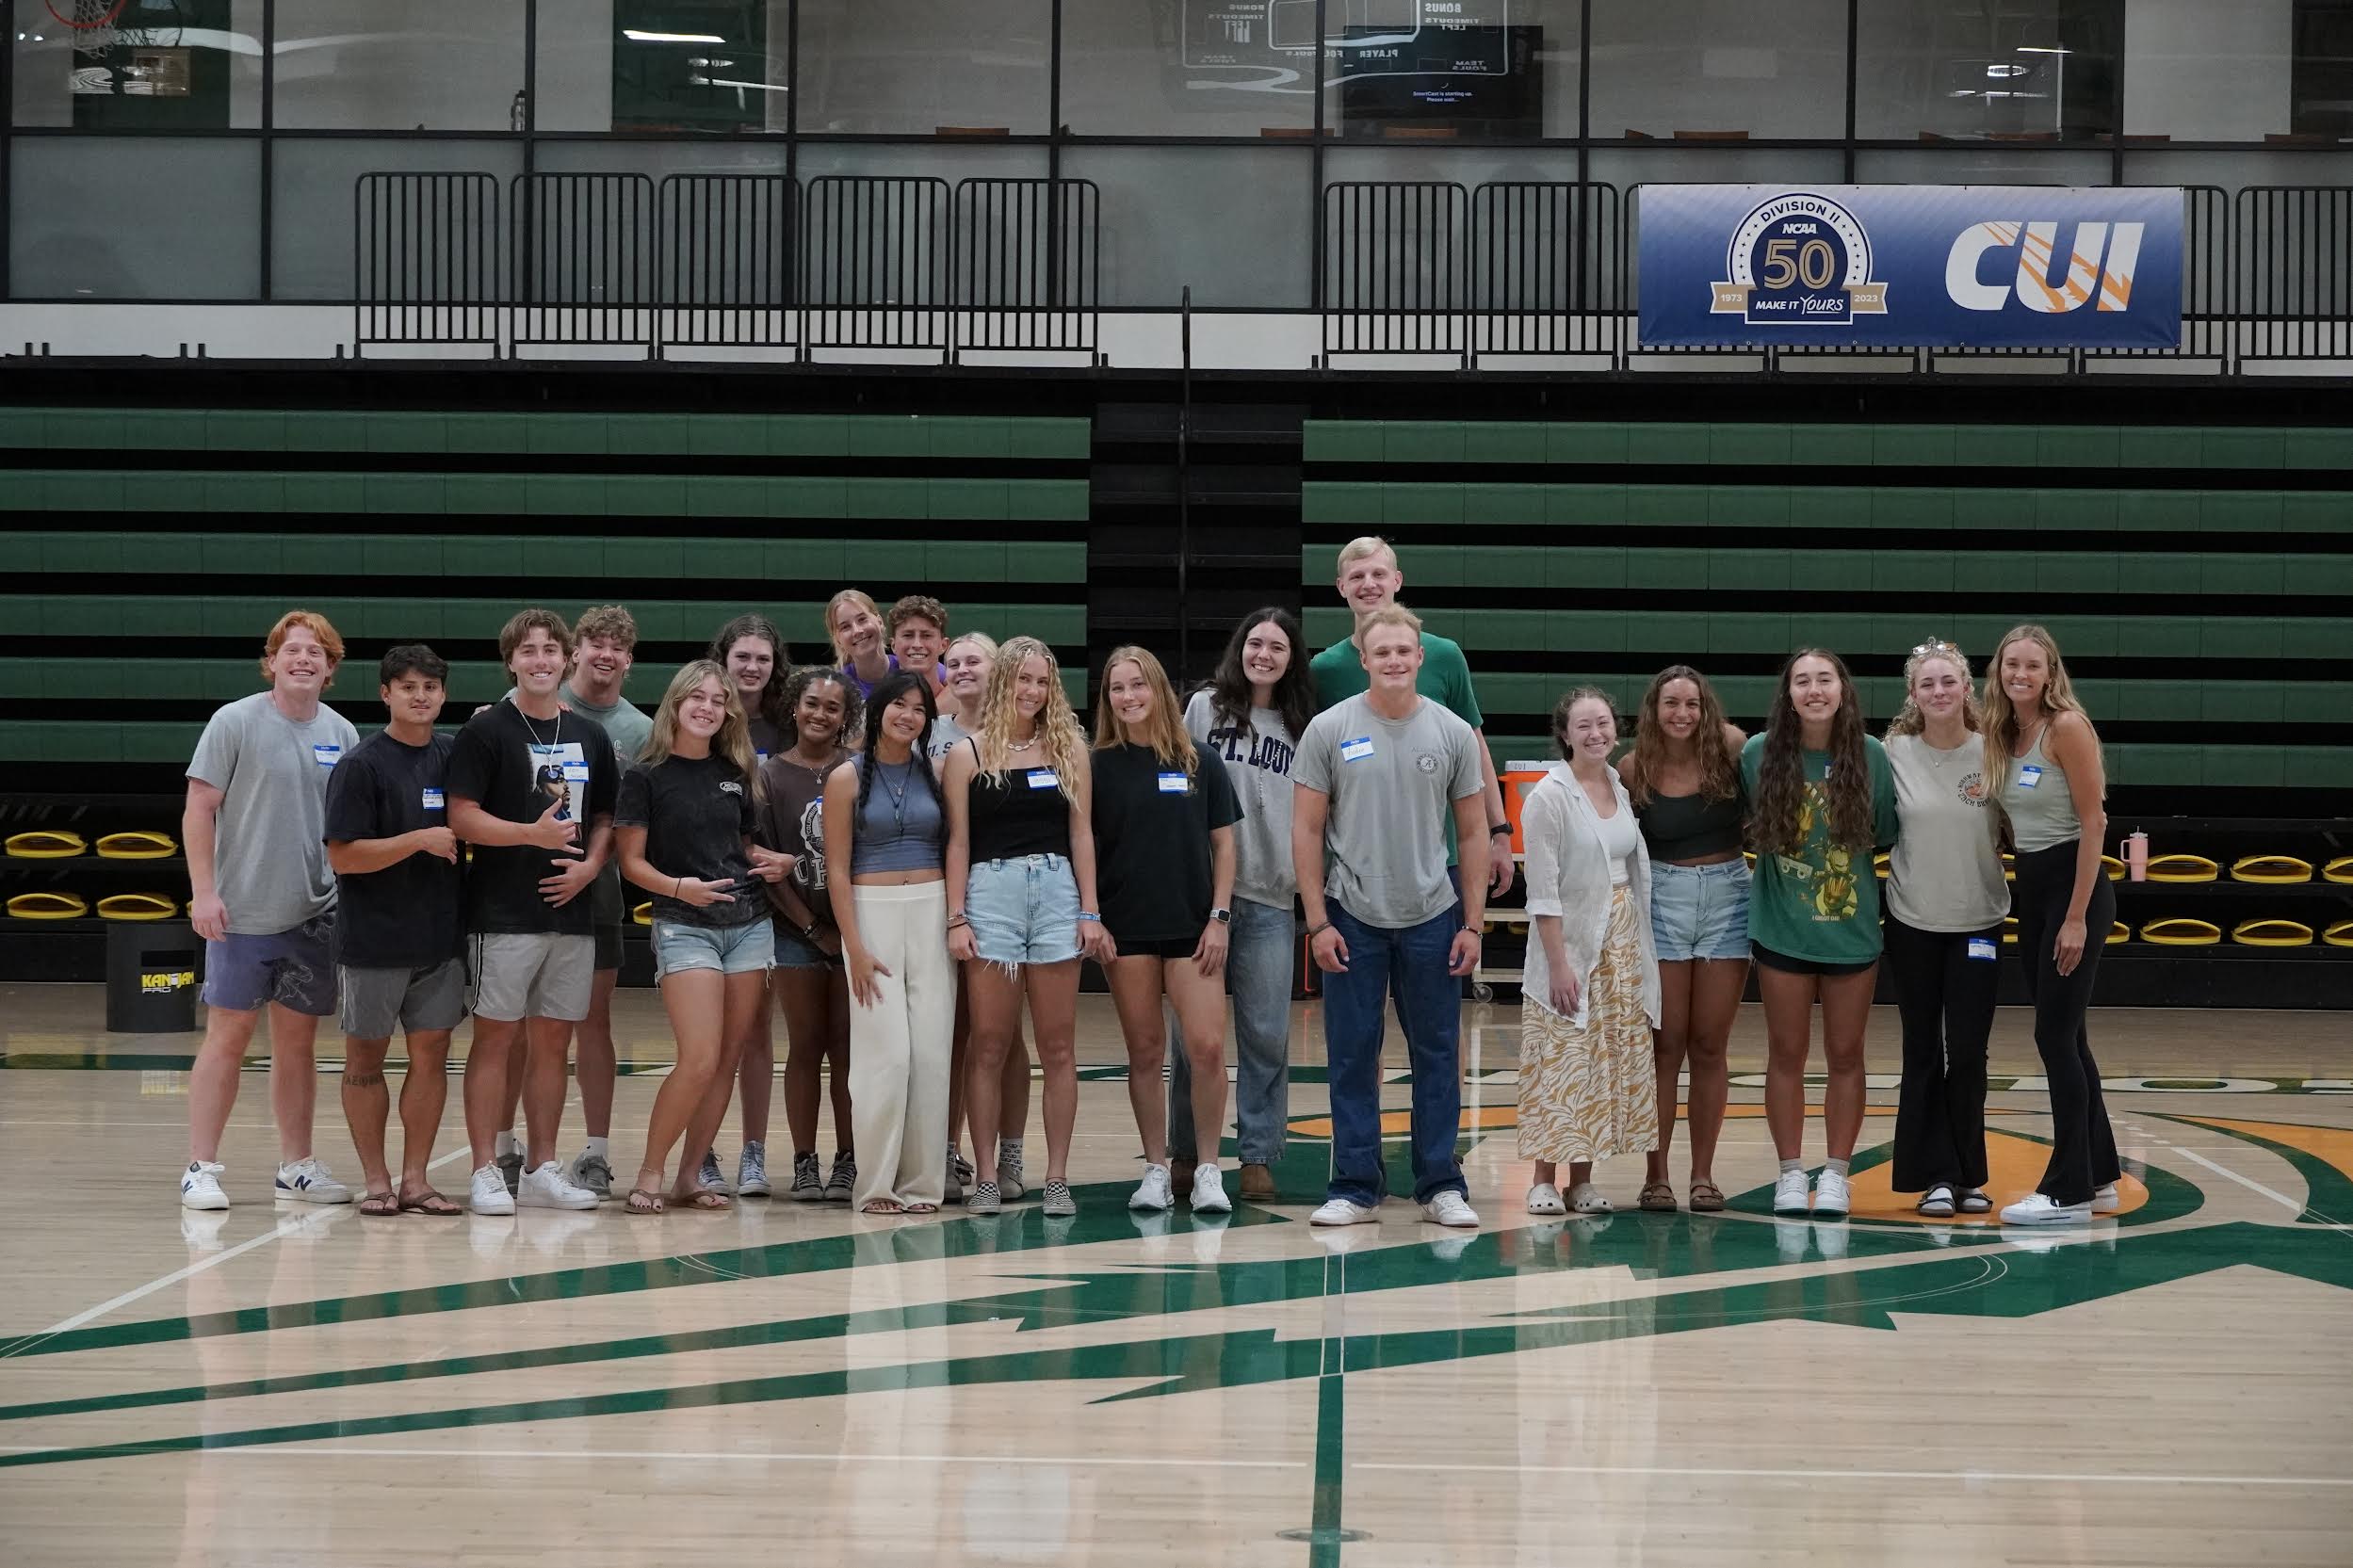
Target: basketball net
[{"x": 92, "y": 23}]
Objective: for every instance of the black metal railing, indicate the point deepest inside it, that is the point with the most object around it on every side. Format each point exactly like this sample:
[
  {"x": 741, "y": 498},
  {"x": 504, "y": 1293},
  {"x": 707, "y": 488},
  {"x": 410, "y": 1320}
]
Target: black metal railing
[
  {"x": 1027, "y": 270},
  {"x": 728, "y": 263},
  {"x": 2294, "y": 272},
  {"x": 425, "y": 259},
  {"x": 875, "y": 273},
  {"x": 1394, "y": 279},
  {"x": 1545, "y": 278},
  {"x": 583, "y": 260},
  {"x": 2206, "y": 282}
]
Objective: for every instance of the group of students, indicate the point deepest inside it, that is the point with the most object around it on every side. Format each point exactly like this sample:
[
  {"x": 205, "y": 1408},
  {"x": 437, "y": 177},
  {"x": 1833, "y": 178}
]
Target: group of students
[
  {"x": 1647, "y": 919},
  {"x": 900, "y": 851}
]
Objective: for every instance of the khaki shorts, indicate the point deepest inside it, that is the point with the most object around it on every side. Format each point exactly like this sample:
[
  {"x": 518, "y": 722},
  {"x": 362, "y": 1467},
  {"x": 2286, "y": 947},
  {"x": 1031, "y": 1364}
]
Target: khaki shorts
[{"x": 513, "y": 975}]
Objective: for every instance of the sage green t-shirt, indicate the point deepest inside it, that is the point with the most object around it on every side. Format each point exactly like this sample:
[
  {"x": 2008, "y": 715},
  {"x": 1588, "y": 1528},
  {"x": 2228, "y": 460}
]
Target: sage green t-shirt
[{"x": 1820, "y": 904}]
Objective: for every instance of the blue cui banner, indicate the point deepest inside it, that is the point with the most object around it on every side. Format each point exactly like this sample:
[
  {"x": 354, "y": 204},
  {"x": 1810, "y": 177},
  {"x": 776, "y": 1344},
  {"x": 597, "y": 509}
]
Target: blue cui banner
[{"x": 1989, "y": 266}]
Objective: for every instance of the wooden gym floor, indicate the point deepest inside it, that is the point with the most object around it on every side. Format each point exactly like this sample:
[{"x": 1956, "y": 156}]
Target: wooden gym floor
[{"x": 798, "y": 1383}]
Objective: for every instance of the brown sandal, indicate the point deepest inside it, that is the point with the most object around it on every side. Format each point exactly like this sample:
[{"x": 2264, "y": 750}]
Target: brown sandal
[
  {"x": 1657, "y": 1198},
  {"x": 428, "y": 1202},
  {"x": 380, "y": 1205},
  {"x": 640, "y": 1201},
  {"x": 701, "y": 1198},
  {"x": 1706, "y": 1198}
]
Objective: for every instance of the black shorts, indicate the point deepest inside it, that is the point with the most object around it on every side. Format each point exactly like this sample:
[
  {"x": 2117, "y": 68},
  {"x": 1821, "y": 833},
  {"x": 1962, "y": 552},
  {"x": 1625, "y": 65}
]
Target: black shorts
[
  {"x": 608, "y": 946},
  {"x": 1165, "y": 947},
  {"x": 1789, "y": 965}
]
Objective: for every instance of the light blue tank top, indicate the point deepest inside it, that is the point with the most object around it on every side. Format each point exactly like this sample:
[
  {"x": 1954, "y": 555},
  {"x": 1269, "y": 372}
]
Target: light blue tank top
[
  {"x": 2041, "y": 809},
  {"x": 900, "y": 827}
]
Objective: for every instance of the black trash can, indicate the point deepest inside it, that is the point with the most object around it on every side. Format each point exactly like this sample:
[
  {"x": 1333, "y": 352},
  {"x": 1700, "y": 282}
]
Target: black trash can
[{"x": 152, "y": 969}]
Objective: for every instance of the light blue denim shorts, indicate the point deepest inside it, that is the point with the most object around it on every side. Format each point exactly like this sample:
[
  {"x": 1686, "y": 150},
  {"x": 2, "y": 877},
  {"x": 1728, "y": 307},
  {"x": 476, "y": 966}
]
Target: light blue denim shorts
[
  {"x": 729, "y": 949},
  {"x": 1700, "y": 912},
  {"x": 1024, "y": 910}
]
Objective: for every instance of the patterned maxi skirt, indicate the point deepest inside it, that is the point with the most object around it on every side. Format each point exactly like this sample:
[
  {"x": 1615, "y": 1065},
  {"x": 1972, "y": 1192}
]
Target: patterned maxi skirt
[{"x": 1587, "y": 1093}]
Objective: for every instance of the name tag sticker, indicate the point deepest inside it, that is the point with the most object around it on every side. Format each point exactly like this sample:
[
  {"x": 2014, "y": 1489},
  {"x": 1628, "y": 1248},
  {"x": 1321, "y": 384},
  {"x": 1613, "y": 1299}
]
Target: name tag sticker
[
  {"x": 1982, "y": 949},
  {"x": 1356, "y": 749},
  {"x": 327, "y": 753},
  {"x": 1173, "y": 784},
  {"x": 2029, "y": 776},
  {"x": 1044, "y": 778},
  {"x": 433, "y": 800}
]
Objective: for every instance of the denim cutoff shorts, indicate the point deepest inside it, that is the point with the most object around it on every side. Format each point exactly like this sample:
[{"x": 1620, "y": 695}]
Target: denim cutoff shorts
[
  {"x": 1024, "y": 910},
  {"x": 1700, "y": 912},
  {"x": 729, "y": 949}
]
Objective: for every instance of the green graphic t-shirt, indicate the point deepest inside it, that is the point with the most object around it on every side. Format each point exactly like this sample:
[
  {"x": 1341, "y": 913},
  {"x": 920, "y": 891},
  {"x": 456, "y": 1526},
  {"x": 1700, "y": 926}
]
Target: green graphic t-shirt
[{"x": 1820, "y": 904}]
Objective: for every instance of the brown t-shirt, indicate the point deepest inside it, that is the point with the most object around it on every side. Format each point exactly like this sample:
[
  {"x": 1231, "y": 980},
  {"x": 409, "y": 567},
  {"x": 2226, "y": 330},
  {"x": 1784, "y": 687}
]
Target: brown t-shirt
[{"x": 792, "y": 821}]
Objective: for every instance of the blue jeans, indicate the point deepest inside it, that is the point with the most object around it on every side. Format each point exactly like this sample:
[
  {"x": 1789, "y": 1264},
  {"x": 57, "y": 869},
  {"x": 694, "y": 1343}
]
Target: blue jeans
[
  {"x": 1260, "y": 954},
  {"x": 1412, "y": 962}
]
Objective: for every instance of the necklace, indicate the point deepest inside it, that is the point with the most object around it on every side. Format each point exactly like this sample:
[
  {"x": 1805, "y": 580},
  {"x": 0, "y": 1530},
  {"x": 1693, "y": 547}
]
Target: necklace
[
  {"x": 898, "y": 792},
  {"x": 533, "y": 730},
  {"x": 816, "y": 770},
  {"x": 1021, "y": 744}
]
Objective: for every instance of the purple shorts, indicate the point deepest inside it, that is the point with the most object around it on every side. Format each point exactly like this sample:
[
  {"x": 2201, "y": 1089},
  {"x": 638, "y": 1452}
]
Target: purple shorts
[{"x": 295, "y": 969}]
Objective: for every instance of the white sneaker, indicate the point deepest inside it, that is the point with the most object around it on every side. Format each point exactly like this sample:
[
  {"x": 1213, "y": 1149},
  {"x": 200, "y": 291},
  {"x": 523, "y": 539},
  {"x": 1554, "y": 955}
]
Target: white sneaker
[
  {"x": 1788, "y": 1191},
  {"x": 2038, "y": 1210},
  {"x": 1342, "y": 1211},
  {"x": 2106, "y": 1200},
  {"x": 546, "y": 1188},
  {"x": 1831, "y": 1197},
  {"x": 1208, "y": 1191},
  {"x": 308, "y": 1181},
  {"x": 1451, "y": 1207},
  {"x": 1153, "y": 1191},
  {"x": 488, "y": 1194},
  {"x": 200, "y": 1186}
]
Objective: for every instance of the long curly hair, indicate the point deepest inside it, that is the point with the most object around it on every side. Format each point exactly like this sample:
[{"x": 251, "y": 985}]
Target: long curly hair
[
  {"x": 1062, "y": 741},
  {"x": 886, "y": 692},
  {"x": 1774, "y": 823},
  {"x": 1719, "y": 768},
  {"x": 1294, "y": 692},
  {"x": 1166, "y": 724},
  {"x": 1908, "y": 720},
  {"x": 2000, "y": 718},
  {"x": 734, "y": 739},
  {"x": 772, "y": 706}
]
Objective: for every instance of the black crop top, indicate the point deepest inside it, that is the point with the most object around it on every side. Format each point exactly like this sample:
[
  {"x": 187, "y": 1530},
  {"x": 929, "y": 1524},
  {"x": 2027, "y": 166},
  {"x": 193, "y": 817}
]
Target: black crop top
[
  {"x": 1020, "y": 812},
  {"x": 1685, "y": 826}
]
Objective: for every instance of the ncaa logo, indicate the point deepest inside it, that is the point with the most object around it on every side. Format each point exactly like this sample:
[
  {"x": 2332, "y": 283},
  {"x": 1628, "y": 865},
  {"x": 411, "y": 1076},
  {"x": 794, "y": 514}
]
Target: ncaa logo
[{"x": 1799, "y": 259}]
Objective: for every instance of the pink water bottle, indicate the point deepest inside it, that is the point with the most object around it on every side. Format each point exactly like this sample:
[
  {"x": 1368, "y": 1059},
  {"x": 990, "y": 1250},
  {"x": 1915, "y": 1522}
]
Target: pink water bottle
[{"x": 2136, "y": 855}]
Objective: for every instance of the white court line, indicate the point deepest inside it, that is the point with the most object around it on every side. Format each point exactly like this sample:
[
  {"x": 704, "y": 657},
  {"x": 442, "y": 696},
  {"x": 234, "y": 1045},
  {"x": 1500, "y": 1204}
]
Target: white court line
[
  {"x": 829, "y": 1457},
  {"x": 2294, "y": 1206},
  {"x": 317, "y": 1219},
  {"x": 1817, "y": 1472}
]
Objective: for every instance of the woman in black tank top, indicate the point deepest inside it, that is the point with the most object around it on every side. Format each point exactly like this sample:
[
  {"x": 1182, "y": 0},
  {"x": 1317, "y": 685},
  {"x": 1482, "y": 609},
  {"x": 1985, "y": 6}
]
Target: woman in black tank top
[{"x": 1683, "y": 777}]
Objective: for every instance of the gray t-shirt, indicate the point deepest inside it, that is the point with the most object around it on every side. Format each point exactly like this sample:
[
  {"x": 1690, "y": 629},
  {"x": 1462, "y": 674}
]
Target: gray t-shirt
[
  {"x": 269, "y": 852},
  {"x": 1393, "y": 784},
  {"x": 945, "y": 732},
  {"x": 1257, "y": 760},
  {"x": 1944, "y": 873}
]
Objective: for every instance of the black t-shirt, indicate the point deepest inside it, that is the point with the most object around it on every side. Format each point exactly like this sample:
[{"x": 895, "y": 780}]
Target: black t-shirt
[
  {"x": 1152, "y": 827},
  {"x": 409, "y": 914},
  {"x": 512, "y": 765},
  {"x": 696, "y": 813}
]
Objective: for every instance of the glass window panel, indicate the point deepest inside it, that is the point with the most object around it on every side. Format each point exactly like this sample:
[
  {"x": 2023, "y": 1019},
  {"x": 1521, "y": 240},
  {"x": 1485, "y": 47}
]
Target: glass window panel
[
  {"x": 312, "y": 185},
  {"x": 718, "y": 66},
  {"x": 1229, "y": 221},
  {"x": 130, "y": 217},
  {"x": 1187, "y": 67},
  {"x": 158, "y": 65},
  {"x": 918, "y": 67},
  {"x": 1983, "y": 166},
  {"x": 2236, "y": 171},
  {"x": 424, "y": 65},
  {"x": 2023, "y": 71},
  {"x": 2321, "y": 81},
  {"x": 1769, "y": 68},
  {"x": 2186, "y": 78},
  {"x": 1440, "y": 68}
]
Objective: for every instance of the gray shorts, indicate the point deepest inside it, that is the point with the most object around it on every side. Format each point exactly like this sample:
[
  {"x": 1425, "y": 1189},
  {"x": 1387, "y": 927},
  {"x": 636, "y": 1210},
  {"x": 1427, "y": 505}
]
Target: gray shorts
[
  {"x": 415, "y": 1001},
  {"x": 516, "y": 975}
]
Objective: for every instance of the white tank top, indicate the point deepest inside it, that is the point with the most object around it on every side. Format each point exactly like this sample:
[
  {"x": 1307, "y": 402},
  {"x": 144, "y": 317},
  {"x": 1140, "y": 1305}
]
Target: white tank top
[{"x": 1621, "y": 835}]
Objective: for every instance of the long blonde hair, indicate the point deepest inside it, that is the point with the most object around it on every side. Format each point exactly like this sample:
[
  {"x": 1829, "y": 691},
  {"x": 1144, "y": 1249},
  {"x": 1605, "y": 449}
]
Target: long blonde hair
[
  {"x": 1908, "y": 720},
  {"x": 1166, "y": 727},
  {"x": 2058, "y": 697},
  {"x": 734, "y": 739},
  {"x": 833, "y": 607},
  {"x": 1060, "y": 740}
]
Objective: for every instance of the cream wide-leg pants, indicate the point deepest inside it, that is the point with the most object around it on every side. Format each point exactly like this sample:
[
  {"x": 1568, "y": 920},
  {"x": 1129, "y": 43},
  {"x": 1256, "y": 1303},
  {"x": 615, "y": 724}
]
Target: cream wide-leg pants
[{"x": 900, "y": 1047}]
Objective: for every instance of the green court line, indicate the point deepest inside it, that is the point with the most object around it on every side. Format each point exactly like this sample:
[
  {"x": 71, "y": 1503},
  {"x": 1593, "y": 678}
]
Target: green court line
[
  {"x": 2327, "y": 1193},
  {"x": 2017, "y": 1285}
]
